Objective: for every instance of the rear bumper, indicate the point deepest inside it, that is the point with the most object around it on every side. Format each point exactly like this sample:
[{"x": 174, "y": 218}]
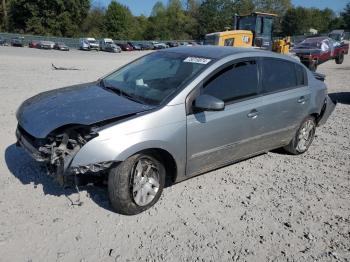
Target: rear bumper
[{"x": 327, "y": 110}]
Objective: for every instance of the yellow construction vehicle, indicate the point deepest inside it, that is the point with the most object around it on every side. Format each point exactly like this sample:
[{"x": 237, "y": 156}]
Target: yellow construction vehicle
[
  {"x": 254, "y": 30},
  {"x": 237, "y": 38},
  {"x": 281, "y": 45}
]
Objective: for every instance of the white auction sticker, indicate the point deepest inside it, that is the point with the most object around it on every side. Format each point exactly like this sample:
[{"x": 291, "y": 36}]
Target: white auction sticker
[{"x": 197, "y": 60}]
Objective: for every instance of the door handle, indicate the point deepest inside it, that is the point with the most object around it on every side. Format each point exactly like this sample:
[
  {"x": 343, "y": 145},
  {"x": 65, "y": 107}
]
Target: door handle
[
  {"x": 253, "y": 114},
  {"x": 302, "y": 100}
]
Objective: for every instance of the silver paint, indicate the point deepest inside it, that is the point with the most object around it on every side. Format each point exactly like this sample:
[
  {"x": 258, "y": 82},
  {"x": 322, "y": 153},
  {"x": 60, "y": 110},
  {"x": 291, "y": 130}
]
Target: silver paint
[{"x": 203, "y": 141}]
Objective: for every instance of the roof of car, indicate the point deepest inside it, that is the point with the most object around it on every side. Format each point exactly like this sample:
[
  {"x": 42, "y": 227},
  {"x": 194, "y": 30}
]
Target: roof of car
[{"x": 215, "y": 52}]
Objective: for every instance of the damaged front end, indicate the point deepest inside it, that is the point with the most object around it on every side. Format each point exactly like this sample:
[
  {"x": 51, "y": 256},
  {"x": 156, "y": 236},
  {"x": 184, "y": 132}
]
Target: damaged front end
[{"x": 58, "y": 150}]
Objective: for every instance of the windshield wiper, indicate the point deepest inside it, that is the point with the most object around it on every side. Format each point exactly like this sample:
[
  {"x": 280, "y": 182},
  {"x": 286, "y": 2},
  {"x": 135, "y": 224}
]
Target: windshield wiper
[{"x": 120, "y": 92}]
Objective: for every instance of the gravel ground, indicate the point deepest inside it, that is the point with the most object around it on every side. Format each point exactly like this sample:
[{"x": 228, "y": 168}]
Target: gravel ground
[{"x": 274, "y": 207}]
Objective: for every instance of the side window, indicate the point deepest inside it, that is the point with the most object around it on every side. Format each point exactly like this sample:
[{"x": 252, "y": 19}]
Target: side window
[
  {"x": 277, "y": 75},
  {"x": 259, "y": 25},
  {"x": 234, "y": 82},
  {"x": 229, "y": 42},
  {"x": 301, "y": 75},
  {"x": 267, "y": 29}
]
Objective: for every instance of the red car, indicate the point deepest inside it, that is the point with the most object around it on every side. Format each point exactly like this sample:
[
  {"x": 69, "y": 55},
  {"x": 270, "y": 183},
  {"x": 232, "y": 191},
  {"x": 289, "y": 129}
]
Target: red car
[
  {"x": 125, "y": 47},
  {"x": 314, "y": 51},
  {"x": 33, "y": 43}
]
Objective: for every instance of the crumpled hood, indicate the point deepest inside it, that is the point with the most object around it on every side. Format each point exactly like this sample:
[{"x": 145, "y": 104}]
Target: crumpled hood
[{"x": 84, "y": 104}]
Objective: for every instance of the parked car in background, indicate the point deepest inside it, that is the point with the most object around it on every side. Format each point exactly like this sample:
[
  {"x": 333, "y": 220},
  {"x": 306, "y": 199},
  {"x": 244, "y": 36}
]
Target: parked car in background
[
  {"x": 104, "y": 43},
  {"x": 135, "y": 46},
  {"x": 314, "y": 51},
  {"x": 3, "y": 41},
  {"x": 192, "y": 43},
  {"x": 113, "y": 48},
  {"x": 88, "y": 44},
  {"x": 172, "y": 115},
  {"x": 46, "y": 45},
  {"x": 17, "y": 41},
  {"x": 158, "y": 45},
  {"x": 33, "y": 43},
  {"x": 172, "y": 44},
  {"x": 61, "y": 46},
  {"x": 146, "y": 46},
  {"x": 125, "y": 47}
]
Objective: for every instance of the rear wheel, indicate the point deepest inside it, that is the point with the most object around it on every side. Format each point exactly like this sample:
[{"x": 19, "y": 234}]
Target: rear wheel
[
  {"x": 339, "y": 59},
  {"x": 136, "y": 184},
  {"x": 303, "y": 138}
]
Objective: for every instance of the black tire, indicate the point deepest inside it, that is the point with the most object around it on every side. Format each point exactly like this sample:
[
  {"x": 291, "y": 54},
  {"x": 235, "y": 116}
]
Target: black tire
[
  {"x": 339, "y": 59},
  {"x": 313, "y": 66},
  {"x": 120, "y": 185},
  {"x": 293, "y": 147}
]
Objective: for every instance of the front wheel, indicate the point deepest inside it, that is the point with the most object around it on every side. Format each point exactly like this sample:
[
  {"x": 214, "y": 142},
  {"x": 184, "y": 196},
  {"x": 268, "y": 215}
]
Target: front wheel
[
  {"x": 339, "y": 59},
  {"x": 303, "y": 137},
  {"x": 136, "y": 184}
]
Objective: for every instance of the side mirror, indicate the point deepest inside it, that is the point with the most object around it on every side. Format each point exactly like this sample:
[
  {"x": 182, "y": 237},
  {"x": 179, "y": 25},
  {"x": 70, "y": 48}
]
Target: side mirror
[{"x": 209, "y": 103}]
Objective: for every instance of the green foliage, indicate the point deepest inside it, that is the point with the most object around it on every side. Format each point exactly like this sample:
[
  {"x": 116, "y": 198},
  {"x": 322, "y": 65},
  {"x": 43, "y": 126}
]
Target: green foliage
[
  {"x": 244, "y": 7},
  {"x": 278, "y": 7},
  {"x": 293, "y": 22},
  {"x": 53, "y": 17},
  {"x": 140, "y": 27},
  {"x": 215, "y": 15},
  {"x": 118, "y": 21},
  {"x": 178, "y": 19},
  {"x": 298, "y": 21},
  {"x": 172, "y": 21},
  {"x": 93, "y": 24},
  {"x": 346, "y": 16},
  {"x": 3, "y": 14},
  {"x": 337, "y": 23}
]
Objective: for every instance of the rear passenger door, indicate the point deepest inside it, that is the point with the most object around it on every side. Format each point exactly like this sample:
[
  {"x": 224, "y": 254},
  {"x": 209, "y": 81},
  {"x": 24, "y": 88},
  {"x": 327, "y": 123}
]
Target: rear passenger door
[{"x": 286, "y": 100}]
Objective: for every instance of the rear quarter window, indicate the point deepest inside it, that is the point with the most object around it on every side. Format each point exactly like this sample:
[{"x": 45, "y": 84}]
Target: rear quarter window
[
  {"x": 278, "y": 75},
  {"x": 301, "y": 75}
]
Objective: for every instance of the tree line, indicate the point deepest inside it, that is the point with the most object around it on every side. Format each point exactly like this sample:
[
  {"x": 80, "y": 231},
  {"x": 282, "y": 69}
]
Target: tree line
[{"x": 178, "y": 19}]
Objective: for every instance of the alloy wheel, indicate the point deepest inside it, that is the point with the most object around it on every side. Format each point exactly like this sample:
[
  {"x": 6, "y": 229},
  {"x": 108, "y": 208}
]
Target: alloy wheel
[
  {"x": 145, "y": 181},
  {"x": 305, "y": 136}
]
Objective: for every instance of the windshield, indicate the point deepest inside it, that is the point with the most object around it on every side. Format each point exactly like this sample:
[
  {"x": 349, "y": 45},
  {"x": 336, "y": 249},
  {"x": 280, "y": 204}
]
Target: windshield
[
  {"x": 310, "y": 43},
  {"x": 92, "y": 41},
  {"x": 336, "y": 37},
  {"x": 211, "y": 39},
  {"x": 153, "y": 78},
  {"x": 247, "y": 23}
]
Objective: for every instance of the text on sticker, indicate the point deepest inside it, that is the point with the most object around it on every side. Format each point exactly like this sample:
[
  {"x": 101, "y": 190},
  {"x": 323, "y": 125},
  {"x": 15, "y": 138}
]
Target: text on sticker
[{"x": 197, "y": 60}]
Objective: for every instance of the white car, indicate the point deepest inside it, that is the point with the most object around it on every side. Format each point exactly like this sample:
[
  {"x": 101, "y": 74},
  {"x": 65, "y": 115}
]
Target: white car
[
  {"x": 158, "y": 45},
  {"x": 105, "y": 42},
  {"x": 88, "y": 44},
  {"x": 46, "y": 45}
]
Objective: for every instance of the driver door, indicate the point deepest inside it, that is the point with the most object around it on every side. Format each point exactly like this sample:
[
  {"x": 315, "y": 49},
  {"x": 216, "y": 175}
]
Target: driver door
[{"x": 216, "y": 138}]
